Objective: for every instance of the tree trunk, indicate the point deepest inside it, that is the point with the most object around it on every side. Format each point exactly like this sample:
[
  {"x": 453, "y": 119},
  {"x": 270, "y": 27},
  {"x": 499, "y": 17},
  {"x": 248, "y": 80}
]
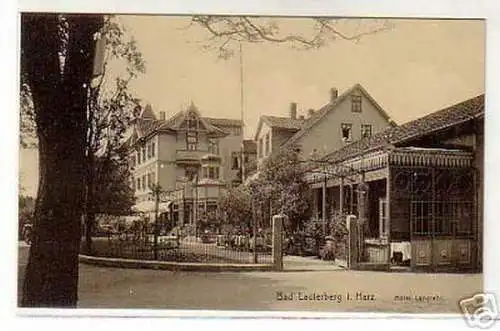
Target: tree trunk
[
  {"x": 51, "y": 278},
  {"x": 90, "y": 218},
  {"x": 90, "y": 226}
]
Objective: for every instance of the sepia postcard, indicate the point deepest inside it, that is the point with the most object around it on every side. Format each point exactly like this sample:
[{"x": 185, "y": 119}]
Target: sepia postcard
[{"x": 252, "y": 164}]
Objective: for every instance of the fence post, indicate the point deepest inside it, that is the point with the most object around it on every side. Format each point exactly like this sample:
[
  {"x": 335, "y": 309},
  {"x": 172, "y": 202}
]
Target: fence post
[
  {"x": 277, "y": 250},
  {"x": 353, "y": 249}
]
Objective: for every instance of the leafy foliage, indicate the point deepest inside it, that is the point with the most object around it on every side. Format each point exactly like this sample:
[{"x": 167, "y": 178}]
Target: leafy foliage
[
  {"x": 112, "y": 106},
  {"x": 281, "y": 181},
  {"x": 237, "y": 206},
  {"x": 113, "y": 194},
  {"x": 111, "y": 109}
]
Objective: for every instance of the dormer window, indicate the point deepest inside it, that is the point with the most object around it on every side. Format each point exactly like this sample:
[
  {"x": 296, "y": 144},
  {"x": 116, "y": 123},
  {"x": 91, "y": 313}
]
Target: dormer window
[
  {"x": 192, "y": 122},
  {"x": 346, "y": 129},
  {"x": 356, "y": 103},
  {"x": 191, "y": 140}
]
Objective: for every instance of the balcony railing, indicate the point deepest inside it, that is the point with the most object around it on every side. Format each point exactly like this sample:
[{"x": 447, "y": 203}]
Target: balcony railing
[{"x": 184, "y": 156}]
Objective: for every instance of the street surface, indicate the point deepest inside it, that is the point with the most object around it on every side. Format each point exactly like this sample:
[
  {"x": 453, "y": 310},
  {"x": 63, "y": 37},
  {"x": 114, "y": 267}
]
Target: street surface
[{"x": 306, "y": 285}]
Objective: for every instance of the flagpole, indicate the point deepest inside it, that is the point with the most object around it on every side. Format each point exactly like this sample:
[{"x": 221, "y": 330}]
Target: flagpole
[{"x": 242, "y": 107}]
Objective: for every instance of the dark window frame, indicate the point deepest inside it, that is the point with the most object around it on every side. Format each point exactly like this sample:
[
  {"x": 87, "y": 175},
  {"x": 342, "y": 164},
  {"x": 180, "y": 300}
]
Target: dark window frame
[
  {"x": 343, "y": 127},
  {"x": 267, "y": 144},
  {"x": 213, "y": 145},
  {"x": 191, "y": 140},
  {"x": 356, "y": 103},
  {"x": 366, "y": 130}
]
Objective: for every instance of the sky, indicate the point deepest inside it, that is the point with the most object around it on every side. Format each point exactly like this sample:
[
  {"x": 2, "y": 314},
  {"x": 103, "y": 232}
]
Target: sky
[{"x": 417, "y": 67}]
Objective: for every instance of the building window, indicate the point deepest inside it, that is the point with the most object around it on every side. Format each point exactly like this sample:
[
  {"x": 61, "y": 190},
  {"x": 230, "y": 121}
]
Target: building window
[
  {"x": 356, "y": 103},
  {"x": 139, "y": 157},
  {"x": 192, "y": 122},
  {"x": 211, "y": 172},
  {"x": 246, "y": 159},
  {"x": 144, "y": 182},
  {"x": 213, "y": 146},
  {"x": 346, "y": 132},
  {"x": 192, "y": 140},
  {"x": 261, "y": 145},
  {"x": 148, "y": 151},
  {"x": 267, "y": 145},
  {"x": 153, "y": 149},
  {"x": 191, "y": 173},
  {"x": 133, "y": 160},
  {"x": 143, "y": 154},
  {"x": 366, "y": 130},
  {"x": 138, "y": 187},
  {"x": 236, "y": 161},
  {"x": 236, "y": 131}
]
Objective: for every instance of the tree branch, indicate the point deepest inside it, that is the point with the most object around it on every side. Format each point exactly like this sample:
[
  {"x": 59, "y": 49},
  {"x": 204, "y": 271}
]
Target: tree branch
[{"x": 227, "y": 30}]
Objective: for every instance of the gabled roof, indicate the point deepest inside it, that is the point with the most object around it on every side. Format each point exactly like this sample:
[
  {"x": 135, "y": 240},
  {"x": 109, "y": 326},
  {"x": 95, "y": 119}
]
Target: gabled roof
[
  {"x": 182, "y": 116},
  {"x": 146, "y": 126},
  {"x": 439, "y": 120},
  {"x": 323, "y": 111},
  {"x": 147, "y": 112},
  {"x": 223, "y": 122},
  {"x": 146, "y": 123},
  {"x": 283, "y": 123}
]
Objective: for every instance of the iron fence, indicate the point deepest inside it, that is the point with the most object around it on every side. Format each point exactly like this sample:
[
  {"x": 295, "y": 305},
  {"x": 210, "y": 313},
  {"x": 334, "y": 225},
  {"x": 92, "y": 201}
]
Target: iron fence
[{"x": 206, "y": 248}]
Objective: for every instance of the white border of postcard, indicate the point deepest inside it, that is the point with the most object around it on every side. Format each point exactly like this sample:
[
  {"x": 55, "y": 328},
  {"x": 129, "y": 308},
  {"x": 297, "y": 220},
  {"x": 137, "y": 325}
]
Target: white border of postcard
[{"x": 488, "y": 9}]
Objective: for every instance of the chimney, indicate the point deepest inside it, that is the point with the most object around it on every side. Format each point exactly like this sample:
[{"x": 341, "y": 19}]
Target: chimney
[
  {"x": 310, "y": 112},
  {"x": 162, "y": 115},
  {"x": 334, "y": 93},
  {"x": 293, "y": 110}
]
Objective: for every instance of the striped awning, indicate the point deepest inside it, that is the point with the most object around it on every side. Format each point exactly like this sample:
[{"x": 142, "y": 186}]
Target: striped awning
[
  {"x": 150, "y": 207},
  {"x": 402, "y": 156}
]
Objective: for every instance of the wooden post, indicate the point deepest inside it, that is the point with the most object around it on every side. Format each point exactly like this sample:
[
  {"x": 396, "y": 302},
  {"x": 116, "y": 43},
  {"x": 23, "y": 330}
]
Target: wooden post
[
  {"x": 361, "y": 209},
  {"x": 353, "y": 252},
  {"x": 341, "y": 202},
  {"x": 277, "y": 250},
  {"x": 155, "y": 233},
  {"x": 323, "y": 206},
  {"x": 387, "y": 229},
  {"x": 254, "y": 224}
]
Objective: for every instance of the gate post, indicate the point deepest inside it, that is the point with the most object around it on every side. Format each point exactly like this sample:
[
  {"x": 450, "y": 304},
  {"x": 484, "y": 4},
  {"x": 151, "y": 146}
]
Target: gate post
[
  {"x": 277, "y": 250},
  {"x": 353, "y": 244}
]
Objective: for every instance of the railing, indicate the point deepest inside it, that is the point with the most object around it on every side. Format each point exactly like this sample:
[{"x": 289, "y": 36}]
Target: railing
[
  {"x": 190, "y": 156},
  {"x": 207, "y": 248}
]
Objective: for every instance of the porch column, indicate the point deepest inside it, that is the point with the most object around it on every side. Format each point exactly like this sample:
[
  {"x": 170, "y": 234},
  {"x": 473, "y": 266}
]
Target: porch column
[
  {"x": 323, "y": 205},
  {"x": 341, "y": 195},
  {"x": 361, "y": 194},
  {"x": 206, "y": 198},
  {"x": 315, "y": 204},
  {"x": 387, "y": 229}
]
